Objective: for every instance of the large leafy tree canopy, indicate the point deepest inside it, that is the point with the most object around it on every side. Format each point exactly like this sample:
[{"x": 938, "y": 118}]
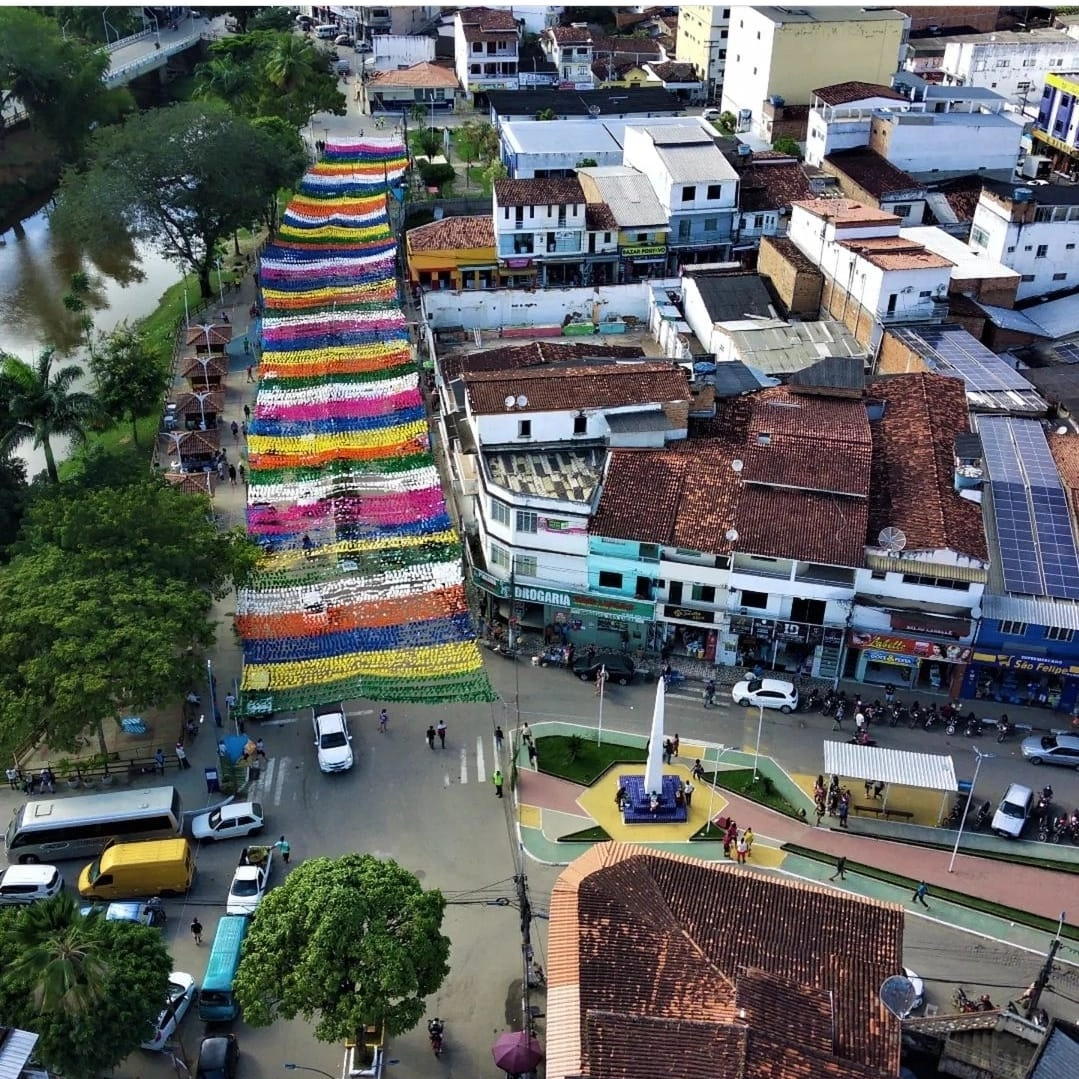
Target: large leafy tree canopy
[
  {"x": 57, "y": 79},
  {"x": 129, "y": 379},
  {"x": 90, "y": 989},
  {"x": 352, "y": 940},
  {"x": 271, "y": 73},
  {"x": 106, "y": 603},
  {"x": 184, "y": 178}
]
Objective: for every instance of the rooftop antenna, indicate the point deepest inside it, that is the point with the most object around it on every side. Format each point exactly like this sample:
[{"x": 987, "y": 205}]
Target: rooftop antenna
[
  {"x": 510, "y": 401},
  {"x": 892, "y": 539},
  {"x": 522, "y": 401}
]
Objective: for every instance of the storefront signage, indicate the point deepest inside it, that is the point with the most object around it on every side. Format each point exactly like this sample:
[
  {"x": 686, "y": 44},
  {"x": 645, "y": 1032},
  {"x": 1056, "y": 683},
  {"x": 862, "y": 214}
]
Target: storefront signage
[
  {"x": 942, "y": 627},
  {"x": 894, "y": 658},
  {"x": 518, "y": 264},
  {"x": 832, "y": 637},
  {"x": 490, "y": 583},
  {"x": 943, "y": 653},
  {"x": 626, "y": 609},
  {"x": 637, "y": 250},
  {"x": 528, "y": 594},
  {"x": 1028, "y": 664},
  {"x": 688, "y": 614}
]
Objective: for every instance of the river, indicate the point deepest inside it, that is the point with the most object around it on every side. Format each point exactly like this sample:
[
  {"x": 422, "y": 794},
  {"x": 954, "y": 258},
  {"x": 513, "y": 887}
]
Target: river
[{"x": 35, "y": 275}]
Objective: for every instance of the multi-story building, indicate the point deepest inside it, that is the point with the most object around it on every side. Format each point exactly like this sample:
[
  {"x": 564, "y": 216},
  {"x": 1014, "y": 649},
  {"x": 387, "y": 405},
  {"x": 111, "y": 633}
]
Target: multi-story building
[
  {"x": 873, "y": 278},
  {"x": 780, "y": 55},
  {"x": 454, "y": 253},
  {"x": 569, "y": 48},
  {"x": 695, "y": 184},
  {"x": 1056, "y": 131},
  {"x": 639, "y": 220},
  {"x": 865, "y": 176},
  {"x": 485, "y": 51},
  {"x": 1032, "y": 230},
  {"x": 840, "y": 116},
  {"x": 935, "y": 18},
  {"x": 767, "y": 187},
  {"x": 365, "y": 21},
  {"x": 540, "y": 229},
  {"x": 702, "y": 42},
  {"x": 1013, "y": 63}
]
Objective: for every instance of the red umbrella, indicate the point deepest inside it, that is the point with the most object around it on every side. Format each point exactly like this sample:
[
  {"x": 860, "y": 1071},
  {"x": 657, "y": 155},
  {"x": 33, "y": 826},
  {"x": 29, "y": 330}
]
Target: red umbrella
[{"x": 516, "y": 1051}]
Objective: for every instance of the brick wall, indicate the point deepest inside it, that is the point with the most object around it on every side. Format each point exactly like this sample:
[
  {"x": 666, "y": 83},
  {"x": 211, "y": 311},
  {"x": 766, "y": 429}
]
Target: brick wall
[
  {"x": 982, "y": 17},
  {"x": 797, "y": 283},
  {"x": 895, "y": 358},
  {"x": 845, "y": 308},
  {"x": 995, "y": 291}
]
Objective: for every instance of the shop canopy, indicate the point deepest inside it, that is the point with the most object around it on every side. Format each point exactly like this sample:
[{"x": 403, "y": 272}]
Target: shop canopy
[{"x": 892, "y": 766}]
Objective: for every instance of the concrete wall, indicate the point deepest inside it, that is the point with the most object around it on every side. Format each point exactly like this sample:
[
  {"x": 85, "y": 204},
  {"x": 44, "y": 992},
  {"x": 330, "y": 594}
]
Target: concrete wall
[
  {"x": 395, "y": 50},
  {"x": 918, "y": 144},
  {"x": 519, "y": 307}
]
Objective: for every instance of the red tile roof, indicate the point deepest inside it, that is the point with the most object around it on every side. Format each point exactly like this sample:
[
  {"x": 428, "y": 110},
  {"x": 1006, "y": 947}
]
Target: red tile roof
[
  {"x": 871, "y": 172},
  {"x": 649, "y": 949},
  {"x": 843, "y": 93},
  {"x": 913, "y": 465},
  {"x": 423, "y": 75},
  {"x": 772, "y": 186},
  {"x": 534, "y": 354},
  {"x": 637, "y": 48},
  {"x": 584, "y": 386},
  {"x": 598, "y": 215},
  {"x": 847, "y": 212},
  {"x": 896, "y": 253},
  {"x": 453, "y": 234},
  {"x": 962, "y": 194},
  {"x": 219, "y": 335},
  {"x": 570, "y": 35},
  {"x": 675, "y": 71},
  {"x": 538, "y": 192},
  {"x": 487, "y": 18}
]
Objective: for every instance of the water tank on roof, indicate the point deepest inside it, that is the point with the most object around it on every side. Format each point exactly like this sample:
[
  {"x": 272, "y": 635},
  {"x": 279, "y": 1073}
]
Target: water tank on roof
[
  {"x": 777, "y": 101},
  {"x": 1023, "y": 194},
  {"x": 744, "y": 150}
]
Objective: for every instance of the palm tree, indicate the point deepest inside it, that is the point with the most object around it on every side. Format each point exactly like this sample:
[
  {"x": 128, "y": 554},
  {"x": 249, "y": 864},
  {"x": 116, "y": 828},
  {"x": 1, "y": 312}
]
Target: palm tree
[
  {"x": 61, "y": 955},
  {"x": 292, "y": 62},
  {"x": 37, "y": 405},
  {"x": 224, "y": 79}
]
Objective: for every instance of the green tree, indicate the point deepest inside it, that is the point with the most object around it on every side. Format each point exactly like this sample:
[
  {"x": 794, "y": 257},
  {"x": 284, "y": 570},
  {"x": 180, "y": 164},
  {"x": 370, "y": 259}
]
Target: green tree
[
  {"x": 786, "y": 145},
  {"x": 14, "y": 498},
  {"x": 192, "y": 174},
  {"x": 587, "y": 163},
  {"x": 272, "y": 18},
  {"x": 477, "y": 140},
  {"x": 95, "y": 25},
  {"x": 224, "y": 78},
  {"x": 427, "y": 141},
  {"x": 57, "y": 81},
  {"x": 494, "y": 172},
  {"x": 38, "y": 404},
  {"x": 106, "y": 604},
  {"x": 90, "y": 989},
  {"x": 727, "y": 122},
  {"x": 129, "y": 379},
  {"x": 352, "y": 941}
]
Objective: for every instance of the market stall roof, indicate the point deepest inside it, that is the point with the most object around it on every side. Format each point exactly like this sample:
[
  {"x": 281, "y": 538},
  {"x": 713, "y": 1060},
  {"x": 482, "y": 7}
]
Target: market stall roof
[
  {"x": 198, "y": 366},
  {"x": 189, "y": 442},
  {"x": 191, "y": 483},
  {"x": 891, "y": 766},
  {"x": 186, "y": 401}
]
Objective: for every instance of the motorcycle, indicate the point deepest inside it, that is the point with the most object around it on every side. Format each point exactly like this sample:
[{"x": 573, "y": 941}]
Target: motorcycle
[
  {"x": 1004, "y": 728},
  {"x": 813, "y": 701},
  {"x": 709, "y": 693},
  {"x": 950, "y": 727},
  {"x": 435, "y": 1031},
  {"x": 984, "y": 813},
  {"x": 973, "y": 728},
  {"x": 1047, "y": 825},
  {"x": 552, "y": 657},
  {"x": 504, "y": 650},
  {"x": 862, "y": 739},
  {"x": 1060, "y": 827}
]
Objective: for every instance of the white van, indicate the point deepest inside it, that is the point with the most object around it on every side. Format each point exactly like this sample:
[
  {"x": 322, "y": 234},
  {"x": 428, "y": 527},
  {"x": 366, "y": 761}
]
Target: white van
[
  {"x": 28, "y": 883},
  {"x": 327, "y": 31},
  {"x": 1013, "y": 811}
]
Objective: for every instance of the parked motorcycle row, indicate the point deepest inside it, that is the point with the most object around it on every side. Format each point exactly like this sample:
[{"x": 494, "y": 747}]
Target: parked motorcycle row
[{"x": 1053, "y": 824}]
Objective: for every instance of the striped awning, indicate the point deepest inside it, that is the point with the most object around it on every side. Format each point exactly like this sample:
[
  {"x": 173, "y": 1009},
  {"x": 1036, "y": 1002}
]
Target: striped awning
[
  {"x": 884, "y": 564},
  {"x": 892, "y": 766}
]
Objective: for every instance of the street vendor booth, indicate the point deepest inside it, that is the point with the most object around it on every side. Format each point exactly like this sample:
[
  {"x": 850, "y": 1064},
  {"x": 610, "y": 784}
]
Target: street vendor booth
[
  {"x": 209, "y": 339},
  {"x": 204, "y": 372},
  {"x": 893, "y": 768}
]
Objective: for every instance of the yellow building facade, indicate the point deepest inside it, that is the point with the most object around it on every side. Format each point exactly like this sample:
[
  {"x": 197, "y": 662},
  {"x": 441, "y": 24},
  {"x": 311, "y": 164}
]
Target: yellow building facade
[{"x": 454, "y": 253}]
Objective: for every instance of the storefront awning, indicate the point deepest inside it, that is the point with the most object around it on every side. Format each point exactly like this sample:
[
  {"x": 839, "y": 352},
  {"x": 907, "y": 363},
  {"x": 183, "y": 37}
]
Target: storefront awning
[{"x": 892, "y": 766}]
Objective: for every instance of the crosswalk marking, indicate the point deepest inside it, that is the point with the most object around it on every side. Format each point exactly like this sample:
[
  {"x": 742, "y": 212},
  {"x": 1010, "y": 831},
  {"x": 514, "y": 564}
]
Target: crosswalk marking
[
  {"x": 481, "y": 774},
  {"x": 464, "y": 765}
]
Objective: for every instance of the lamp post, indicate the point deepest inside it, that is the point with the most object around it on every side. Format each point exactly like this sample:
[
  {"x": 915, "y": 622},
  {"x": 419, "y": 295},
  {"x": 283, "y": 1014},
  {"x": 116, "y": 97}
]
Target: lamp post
[
  {"x": 602, "y": 676},
  {"x": 970, "y": 795},
  {"x": 220, "y": 284},
  {"x": 201, "y": 396},
  {"x": 757, "y": 749}
]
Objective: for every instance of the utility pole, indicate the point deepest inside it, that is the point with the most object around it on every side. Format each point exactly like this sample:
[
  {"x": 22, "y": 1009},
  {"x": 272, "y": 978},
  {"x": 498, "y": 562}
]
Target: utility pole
[
  {"x": 520, "y": 882},
  {"x": 1047, "y": 969}
]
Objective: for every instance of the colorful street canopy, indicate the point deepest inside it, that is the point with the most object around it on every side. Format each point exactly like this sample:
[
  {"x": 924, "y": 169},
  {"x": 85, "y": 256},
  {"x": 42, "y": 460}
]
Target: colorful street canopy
[{"x": 360, "y": 594}]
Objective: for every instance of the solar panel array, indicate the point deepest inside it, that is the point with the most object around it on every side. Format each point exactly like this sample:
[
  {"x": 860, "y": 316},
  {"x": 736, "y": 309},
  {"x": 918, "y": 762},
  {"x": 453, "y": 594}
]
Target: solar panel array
[
  {"x": 1067, "y": 353},
  {"x": 979, "y": 368},
  {"x": 1034, "y": 530}
]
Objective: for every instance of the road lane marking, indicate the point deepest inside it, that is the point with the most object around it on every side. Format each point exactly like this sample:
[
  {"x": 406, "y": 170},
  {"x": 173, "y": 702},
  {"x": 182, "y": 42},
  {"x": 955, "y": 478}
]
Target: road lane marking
[
  {"x": 481, "y": 771},
  {"x": 464, "y": 765},
  {"x": 282, "y": 771}
]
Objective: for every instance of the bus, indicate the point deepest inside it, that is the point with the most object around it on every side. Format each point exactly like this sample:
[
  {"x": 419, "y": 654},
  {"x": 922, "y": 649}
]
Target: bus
[
  {"x": 53, "y": 828},
  {"x": 216, "y": 1002}
]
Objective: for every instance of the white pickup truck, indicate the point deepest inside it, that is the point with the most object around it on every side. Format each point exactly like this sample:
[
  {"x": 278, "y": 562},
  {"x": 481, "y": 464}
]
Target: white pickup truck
[{"x": 251, "y": 880}]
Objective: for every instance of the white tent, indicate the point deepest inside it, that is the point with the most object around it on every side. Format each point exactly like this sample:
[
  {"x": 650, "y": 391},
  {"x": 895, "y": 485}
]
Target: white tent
[{"x": 892, "y": 766}]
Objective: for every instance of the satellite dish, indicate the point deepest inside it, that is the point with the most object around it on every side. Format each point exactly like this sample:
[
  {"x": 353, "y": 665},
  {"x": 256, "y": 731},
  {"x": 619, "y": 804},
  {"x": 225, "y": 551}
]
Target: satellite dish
[
  {"x": 976, "y": 613},
  {"x": 892, "y": 539},
  {"x": 732, "y": 535},
  {"x": 737, "y": 465},
  {"x": 593, "y": 110},
  {"x": 898, "y": 995},
  {"x": 510, "y": 401},
  {"x": 522, "y": 401}
]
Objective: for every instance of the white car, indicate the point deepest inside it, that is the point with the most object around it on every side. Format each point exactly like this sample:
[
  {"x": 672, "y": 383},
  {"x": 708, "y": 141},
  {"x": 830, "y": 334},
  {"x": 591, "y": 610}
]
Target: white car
[
  {"x": 229, "y": 821},
  {"x": 1011, "y": 816},
  {"x": 333, "y": 740},
  {"x": 249, "y": 885},
  {"x": 29, "y": 883},
  {"x": 767, "y": 693},
  {"x": 711, "y": 114},
  {"x": 181, "y": 996}
]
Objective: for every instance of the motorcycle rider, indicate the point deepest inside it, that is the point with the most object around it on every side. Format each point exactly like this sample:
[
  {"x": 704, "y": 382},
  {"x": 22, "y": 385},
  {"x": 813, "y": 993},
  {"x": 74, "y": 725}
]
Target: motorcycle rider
[
  {"x": 435, "y": 1029},
  {"x": 709, "y": 692}
]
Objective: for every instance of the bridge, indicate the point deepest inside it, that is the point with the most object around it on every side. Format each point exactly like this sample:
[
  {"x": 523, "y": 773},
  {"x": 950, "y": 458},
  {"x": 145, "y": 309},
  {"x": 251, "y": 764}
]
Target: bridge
[{"x": 148, "y": 50}]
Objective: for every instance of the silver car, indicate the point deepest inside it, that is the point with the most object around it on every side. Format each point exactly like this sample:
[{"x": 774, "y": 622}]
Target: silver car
[{"x": 1052, "y": 749}]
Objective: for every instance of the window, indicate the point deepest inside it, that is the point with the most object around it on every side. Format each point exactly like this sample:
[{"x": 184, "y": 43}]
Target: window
[
  {"x": 935, "y": 582},
  {"x": 689, "y": 193},
  {"x": 524, "y": 428},
  {"x": 500, "y": 556},
  {"x": 1069, "y": 247},
  {"x": 715, "y": 191},
  {"x": 1043, "y": 250},
  {"x": 642, "y": 237},
  {"x": 684, "y": 227},
  {"x": 711, "y": 224},
  {"x": 1013, "y": 629},
  {"x": 500, "y": 512},
  {"x": 580, "y": 425},
  {"x": 525, "y": 565},
  {"x": 1054, "y": 633},
  {"x": 1028, "y": 247},
  {"x": 924, "y": 295},
  {"x": 609, "y": 579},
  {"x": 757, "y": 600},
  {"x": 649, "y": 551},
  {"x": 556, "y": 525},
  {"x": 892, "y": 300},
  {"x": 703, "y": 593},
  {"x": 879, "y": 575},
  {"x": 1027, "y": 278},
  {"x": 980, "y": 237},
  {"x": 1060, "y": 277},
  {"x": 758, "y": 221},
  {"x": 902, "y": 209},
  {"x": 526, "y": 521},
  {"x": 606, "y": 237},
  {"x": 1011, "y": 250}
]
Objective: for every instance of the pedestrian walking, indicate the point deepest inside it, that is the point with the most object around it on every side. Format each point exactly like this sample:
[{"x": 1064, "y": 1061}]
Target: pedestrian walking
[
  {"x": 441, "y": 731},
  {"x": 219, "y": 722},
  {"x": 181, "y": 756},
  {"x": 13, "y": 778},
  {"x": 526, "y": 733},
  {"x": 698, "y": 769},
  {"x": 232, "y": 475},
  {"x": 285, "y": 849},
  {"x": 920, "y": 893},
  {"x": 196, "y": 929},
  {"x": 260, "y": 748},
  {"x": 48, "y": 780},
  {"x": 221, "y": 473},
  {"x": 230, "y": 702},
  {"x": 844, "y": 809},
  {"x": 748, "y": 836},
  {"x": 235, "y": 428},
  {"x": 532, "y": 758},
  {"x": 601, "y": 678},
  {"x": 250, "y": 372},
  {"x": 675, "y": 743},
  {"x": 687, "y": 792},
  {"x": 819, "y": 807},
  {"x": 247, "y": 346},
  {"x": 840, "y": 869},
  {"x": 159, "y": 760},
  {"x": 666, "y": 751},
  {"x": 430, "y": 737},
  {"x": 499, "y": 740},
  {"x": 243, "y": 473},
  {"x": 247, "y": 412},
  {"x": 869, "y": 788},
  {"x": 243, "y": 428},
  {"x": 742, "y": 850},
  {"x": 383, "y": 721},
  {"x": 496, "y": 779}
]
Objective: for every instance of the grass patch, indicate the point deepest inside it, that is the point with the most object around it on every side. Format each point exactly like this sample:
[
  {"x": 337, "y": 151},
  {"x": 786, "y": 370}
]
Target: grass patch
[
  {"x": 762, "y": 791},
  {"x": 580, "y": 760},
  {"x": 114, "y": 445},
  {"x": 984, "y": 906},
  {"x": 586, "y": 835}
]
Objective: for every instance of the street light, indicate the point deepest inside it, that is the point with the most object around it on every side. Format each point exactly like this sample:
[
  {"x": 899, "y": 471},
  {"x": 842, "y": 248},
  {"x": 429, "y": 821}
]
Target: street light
[
  {"x": 602, "y": 676},
  {"x": 970, "y": 795},
  {"x": 757, "y": 750},
  {"x": 304, "y": 1068},
  {"x": 220, "y": 286}
]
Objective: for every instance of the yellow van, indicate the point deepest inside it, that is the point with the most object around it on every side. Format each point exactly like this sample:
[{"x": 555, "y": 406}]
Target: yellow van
[{"x": 135, "y": 870}]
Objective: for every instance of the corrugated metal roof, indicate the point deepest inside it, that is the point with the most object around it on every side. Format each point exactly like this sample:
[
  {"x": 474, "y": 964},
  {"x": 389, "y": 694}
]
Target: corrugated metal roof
[
  {"x": 1059, "y": 1057},
  {"x": 883, "y": 564},
  {"x": 629, "y": 196},
  {"x": 1058, "y": 613},
  {"x": 1058, "y": 318},
  {"x": 17, "y": 1049},
  {"x": 1008, "y": 319},
  {"x": 892, "y": 766},
  {"x": 696, "y": 163},
  {"x": 779, "y": 348}
]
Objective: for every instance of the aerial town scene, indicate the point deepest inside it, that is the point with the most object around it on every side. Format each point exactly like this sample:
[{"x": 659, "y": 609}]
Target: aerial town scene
[{"x": 539, "y": 542}]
